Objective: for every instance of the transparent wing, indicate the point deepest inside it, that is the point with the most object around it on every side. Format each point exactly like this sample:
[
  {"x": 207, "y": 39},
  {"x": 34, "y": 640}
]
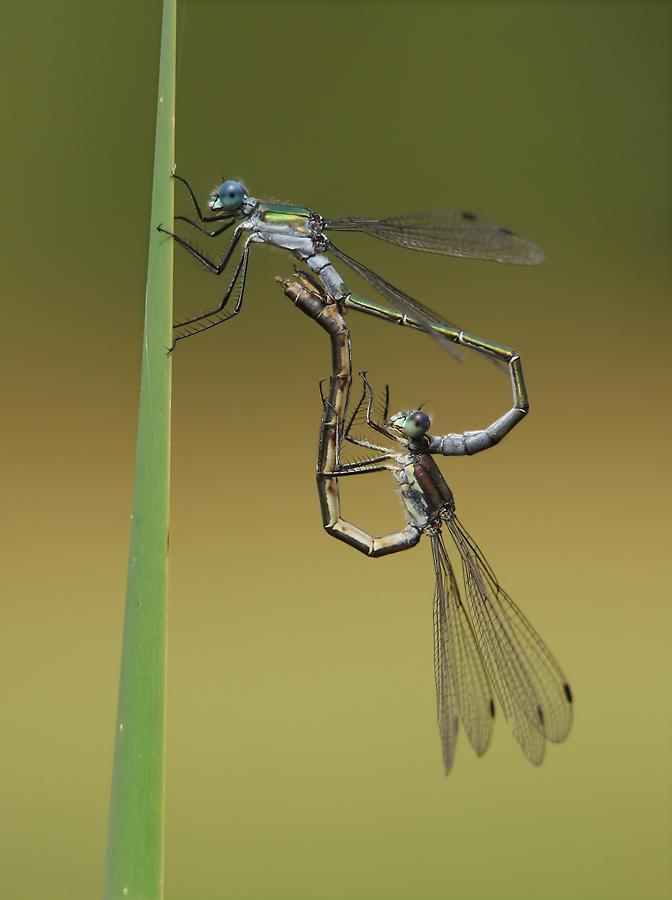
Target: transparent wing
[
  {"x": 461, "y": 682},
  {"x": 444, "y": 659},
  {"x": 529, "y": 683},
  {"x": 448, "y": 233}
]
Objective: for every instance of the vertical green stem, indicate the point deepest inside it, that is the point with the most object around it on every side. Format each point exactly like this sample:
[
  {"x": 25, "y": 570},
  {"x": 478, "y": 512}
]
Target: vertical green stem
[{"x": 134, "y": 867}]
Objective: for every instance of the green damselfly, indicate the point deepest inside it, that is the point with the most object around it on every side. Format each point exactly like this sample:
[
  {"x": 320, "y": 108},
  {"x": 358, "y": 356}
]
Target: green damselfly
[{"x": 304, "y": 233}]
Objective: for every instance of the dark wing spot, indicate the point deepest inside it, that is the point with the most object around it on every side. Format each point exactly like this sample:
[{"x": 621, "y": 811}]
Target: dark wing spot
[
  {"x": 505, "y": 231},
  {"x": 567, "y": 691},
  {"x": 540, "y": 714},
  {"x": 470, "y": 216},
  {"x": 492, "y": 710}
]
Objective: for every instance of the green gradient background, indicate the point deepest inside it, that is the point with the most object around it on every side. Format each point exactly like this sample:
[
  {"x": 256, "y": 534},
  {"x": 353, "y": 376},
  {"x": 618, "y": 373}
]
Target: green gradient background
[{"x": 303, "y": 755}]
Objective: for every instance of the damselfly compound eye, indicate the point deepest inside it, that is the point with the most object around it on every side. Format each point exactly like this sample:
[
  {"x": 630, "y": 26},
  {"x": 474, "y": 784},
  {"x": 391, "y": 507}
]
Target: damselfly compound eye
[
  {"x": 417, "y": 423},
  {"x": 231, "y": 196}
]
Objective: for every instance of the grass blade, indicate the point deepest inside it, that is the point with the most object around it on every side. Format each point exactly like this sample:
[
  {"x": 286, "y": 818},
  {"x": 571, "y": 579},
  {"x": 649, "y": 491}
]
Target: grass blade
[{"x": 134, "y": 866}]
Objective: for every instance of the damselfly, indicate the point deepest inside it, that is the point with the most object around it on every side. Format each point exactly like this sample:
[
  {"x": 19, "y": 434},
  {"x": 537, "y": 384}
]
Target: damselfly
[
  {"x": 304, "y": 234},
  {"x": 488, "y": 642},
  {"x": 488, "y": 635}
]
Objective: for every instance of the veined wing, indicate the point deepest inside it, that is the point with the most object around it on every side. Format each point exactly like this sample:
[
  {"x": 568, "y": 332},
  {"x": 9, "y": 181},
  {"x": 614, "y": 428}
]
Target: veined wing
[
  {"x": 461, "y": 682},
  {"x": 529, "y": 683},
  {"x": 448, "y": 233}
]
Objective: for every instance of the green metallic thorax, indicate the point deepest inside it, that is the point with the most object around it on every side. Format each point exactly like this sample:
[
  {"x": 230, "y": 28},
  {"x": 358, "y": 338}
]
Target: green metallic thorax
[{"x": 279, "y": 218}]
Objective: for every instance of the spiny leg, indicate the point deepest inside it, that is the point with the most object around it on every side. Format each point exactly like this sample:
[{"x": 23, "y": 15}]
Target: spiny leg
[
  {"x": 215, "y": 233},
  {"x": 214, "y": 267},
  {"x": 203, "y": 218},
  {"x": 241, "y": 269},
  {"x": 327, "y": 483}
]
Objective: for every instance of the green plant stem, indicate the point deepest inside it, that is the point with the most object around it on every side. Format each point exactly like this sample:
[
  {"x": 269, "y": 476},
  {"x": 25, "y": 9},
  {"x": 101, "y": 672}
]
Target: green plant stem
[{"x": 134, "y": 866}]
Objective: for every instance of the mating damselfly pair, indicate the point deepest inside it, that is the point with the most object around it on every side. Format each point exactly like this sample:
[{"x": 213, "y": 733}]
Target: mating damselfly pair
[{"x": 485, "y": 642}]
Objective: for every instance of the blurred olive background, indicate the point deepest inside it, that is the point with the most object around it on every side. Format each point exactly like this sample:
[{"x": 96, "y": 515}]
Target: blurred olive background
[{"x": 303, "y": 754}]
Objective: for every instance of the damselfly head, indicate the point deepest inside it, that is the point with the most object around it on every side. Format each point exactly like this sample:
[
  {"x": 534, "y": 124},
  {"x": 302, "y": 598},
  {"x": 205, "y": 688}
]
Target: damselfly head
[
  {"x": 413, "y": 424},
  {"x": 228, "y": 197}
]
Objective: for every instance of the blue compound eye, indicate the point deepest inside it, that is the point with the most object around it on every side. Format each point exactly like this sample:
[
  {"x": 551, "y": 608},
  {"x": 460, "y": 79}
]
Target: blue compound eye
[
  {"x": 231, "y": 196},
  {"x": 417, "y": 423}
]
